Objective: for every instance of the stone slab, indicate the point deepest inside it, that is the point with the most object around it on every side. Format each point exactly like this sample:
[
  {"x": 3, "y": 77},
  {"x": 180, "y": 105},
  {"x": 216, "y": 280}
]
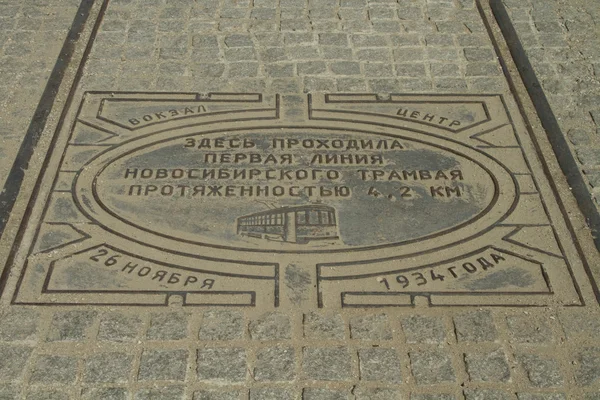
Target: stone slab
[{"x": 377, "y": 199}]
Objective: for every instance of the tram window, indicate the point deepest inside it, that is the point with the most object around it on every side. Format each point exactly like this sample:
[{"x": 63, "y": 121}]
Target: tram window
[
  {"x": 313, "y": 218},
  {"x": 279, "y": 219},
  {"x": 332, "y": 218},
  {"x": 324, "y": 218},
  {"x": 301, "y": 217},
  {"x": 269, "y": 220}
]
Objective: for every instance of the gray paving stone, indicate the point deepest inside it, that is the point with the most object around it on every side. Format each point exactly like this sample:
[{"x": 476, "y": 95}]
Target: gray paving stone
[
  {"x": 12, "y": 360},
  {"x": 238, "y": 41},
  {"x": 351, "y": 85},
  {"x": 285, "y": 70},
  {"x": 54, "y": 369},
  {"x": 475, "y": 326},
  {"x": 431, "y": 367},
  {"x": 267, "y": 393},
  {"x": 19, "y": 324},
  {"x": 167, "y": 326},
  {"x": 222, "y": 325},
  {"x": 243, "y": 69},
  {"x": 324, "y": 394},
  {"x": 421, "y": 329},
  {"x": 119, "y": 327},
  {"x": 541, "y": 396},
  {"x": 327, "y": 363},
  {"x": 105, "y": 393},
  {"x": 217, "y": 395},
  {"x": 324, "y": 326},
  {"x": 333, "y": 39},
  {"x": 487, "y": 394},
  {"x": 345, "y": 68},
  {"x": 271, "y": 326},
  {"x": 162, "y": 393},
  {"x": 371, "y": 327},
  {"x": 378, "y": 69},
  {"x": 275, "y": 364},
  {"x": 311, "y": 68},
  {"x": 432, "y": 397},
  {"x": 588, "y": 366},
  {"x": 47, "y": 394},
  {"x": 222, "y": 364},
  {"x": 207, "y": 70},
  {"x": 9, "y": 391},
  {"x": 479, "y": 54},
  {"x": 379, "y": 364},
  {"x": 71, "y": 325},
  {"x": 541, "y": 371},
  {"x": 164, "y": 365},
  {"x": 108, "y": 368},
  {"x": 487, "y": 367},
  {"x": 368, "y": 393}
]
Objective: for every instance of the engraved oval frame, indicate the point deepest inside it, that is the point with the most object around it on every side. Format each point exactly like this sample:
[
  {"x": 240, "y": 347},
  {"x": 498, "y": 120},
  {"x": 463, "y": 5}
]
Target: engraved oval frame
[{"x": 86, "y": 179}]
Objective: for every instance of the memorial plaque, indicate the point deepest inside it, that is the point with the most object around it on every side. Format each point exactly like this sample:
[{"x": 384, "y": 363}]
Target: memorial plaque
[{"x": 324, "y": 200}]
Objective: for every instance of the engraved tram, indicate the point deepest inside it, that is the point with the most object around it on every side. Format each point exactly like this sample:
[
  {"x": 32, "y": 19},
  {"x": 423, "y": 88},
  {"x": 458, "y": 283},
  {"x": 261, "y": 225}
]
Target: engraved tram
[{"x": 298, "y": 224}]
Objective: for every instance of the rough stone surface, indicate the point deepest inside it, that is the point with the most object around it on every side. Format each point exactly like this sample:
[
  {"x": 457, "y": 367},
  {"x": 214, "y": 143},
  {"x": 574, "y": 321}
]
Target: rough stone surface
[
  {"x": 46, "y": 394},
  {"x": 275, "y": 364},
  {"x": 273, "y": 394},
  {"x": 19, "y": 325},
  {"x": 364, "y": 393},
  {"x": 12, "y": 360},
  {"x": 119, "y": 328},
  {"x": 108, "y": 368},
  {"x": 324, "y": 394},
  {"x": 271, "y": 326},
  {"x": 379, "y": 364},
  {"x": 525, "y": 329},
  {"x": 542, "y": 371},
  {"x": 431, "y": 367},
  {"x": 163, "y": 365},
  {"x": 222, "y": 364},
  {"x": 487, "y": 394},
  {"x": 54, "y": 369},
  {"x": 167, "y": 326},
  {"x": 588, "y": 366},
  {"x": 222, "y": 325},
  {"x": 162, "y": 393},
  {"x": 71, "y": 325},
  {"x": 109, "y": 393},
  {"x": 475, "y": 326},
  {"x": 541, "y": 396},
  {"x": 371, "y": 327},
  {"x": 418, "y": 329},
  {"x": 487, "y": 367},
  {"x": 324, "y": 326},
  {"x": 327, "y": 363},
  {"x": 217, "y": 395}
]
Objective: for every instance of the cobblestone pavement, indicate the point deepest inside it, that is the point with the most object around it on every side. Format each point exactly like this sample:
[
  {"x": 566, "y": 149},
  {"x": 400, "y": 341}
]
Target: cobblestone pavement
[
  {"x": 561, "y": 40},
  {"x": 294, "y": 47},
  {"x": 31, "y": 35}
]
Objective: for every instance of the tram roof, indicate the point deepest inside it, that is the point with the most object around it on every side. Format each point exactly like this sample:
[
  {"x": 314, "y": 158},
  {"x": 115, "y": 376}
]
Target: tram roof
[{"x": 291, "y": 208}]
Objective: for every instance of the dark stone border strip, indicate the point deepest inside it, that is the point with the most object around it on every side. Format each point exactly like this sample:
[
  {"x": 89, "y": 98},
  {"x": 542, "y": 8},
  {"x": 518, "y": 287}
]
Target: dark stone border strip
[{"x": 549, "y": 122}]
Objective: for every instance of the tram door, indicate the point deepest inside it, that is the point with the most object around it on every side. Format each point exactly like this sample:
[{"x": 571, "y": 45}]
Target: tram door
[{"x": 289, "y": 228}]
